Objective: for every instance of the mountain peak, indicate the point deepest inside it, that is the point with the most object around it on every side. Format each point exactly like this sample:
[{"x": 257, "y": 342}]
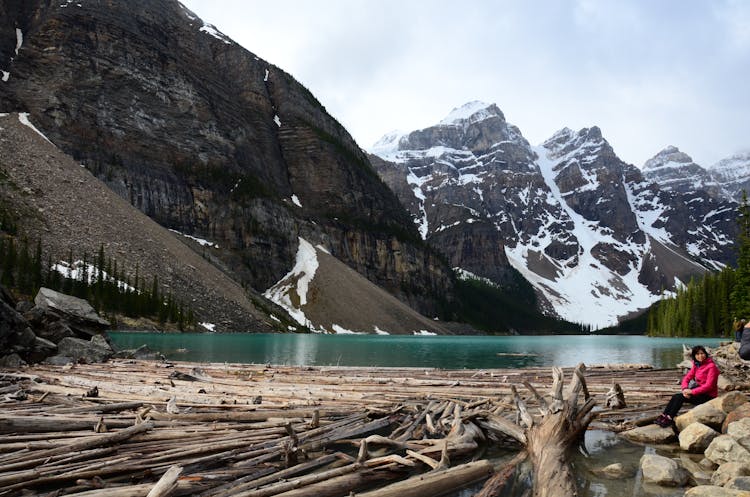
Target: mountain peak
[
  {"x": 474, "y": 111},
  {"x": 670, "y": 156}
]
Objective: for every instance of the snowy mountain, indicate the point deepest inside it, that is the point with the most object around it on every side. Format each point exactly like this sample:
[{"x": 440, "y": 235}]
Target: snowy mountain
[
  {"x": 733, "y": 173},
  {"x": 676, "y": 171},
  {"x": 596, "y": 239}
]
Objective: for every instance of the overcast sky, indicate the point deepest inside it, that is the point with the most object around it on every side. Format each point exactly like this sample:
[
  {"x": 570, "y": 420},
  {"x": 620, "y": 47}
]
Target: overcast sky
[{"x": 649, "y": 73}]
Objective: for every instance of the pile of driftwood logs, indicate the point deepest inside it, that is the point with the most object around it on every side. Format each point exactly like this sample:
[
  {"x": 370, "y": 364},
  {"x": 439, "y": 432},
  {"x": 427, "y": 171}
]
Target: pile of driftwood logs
[{"x": 137, "y": 428}]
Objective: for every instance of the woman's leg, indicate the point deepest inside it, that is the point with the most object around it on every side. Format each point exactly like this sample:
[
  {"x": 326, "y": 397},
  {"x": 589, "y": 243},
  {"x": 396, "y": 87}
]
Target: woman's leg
[
  {"x": 698, "y": 399},
  {"x": 674, "y": 405}
]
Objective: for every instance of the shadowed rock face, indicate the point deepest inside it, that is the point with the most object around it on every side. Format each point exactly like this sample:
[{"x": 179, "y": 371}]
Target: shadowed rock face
[{"x": 208, "y": 139}]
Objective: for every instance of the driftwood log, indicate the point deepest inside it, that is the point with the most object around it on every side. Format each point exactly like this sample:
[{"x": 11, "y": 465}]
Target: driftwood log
[{"x": 258, "y": 430}]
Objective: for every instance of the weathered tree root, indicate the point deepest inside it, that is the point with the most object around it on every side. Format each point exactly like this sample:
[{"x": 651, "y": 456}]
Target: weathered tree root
[{"x": 548, "y": 437}]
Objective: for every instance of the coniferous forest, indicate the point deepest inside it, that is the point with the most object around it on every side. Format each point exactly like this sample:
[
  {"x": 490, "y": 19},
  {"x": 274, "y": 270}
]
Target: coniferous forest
[
  {"x": 108, "y": 288},
  {"x": 709, "y": 306}
]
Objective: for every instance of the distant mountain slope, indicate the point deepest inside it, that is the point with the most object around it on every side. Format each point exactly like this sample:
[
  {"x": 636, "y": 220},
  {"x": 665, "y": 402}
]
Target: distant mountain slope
[
  {"x": 594, "y": 237},
  {"x": 208, "y": 139},
  {"x": 733, "y": 173},
  {"x": 674, "y": 170},
  {"x": 61, "y": 203}
]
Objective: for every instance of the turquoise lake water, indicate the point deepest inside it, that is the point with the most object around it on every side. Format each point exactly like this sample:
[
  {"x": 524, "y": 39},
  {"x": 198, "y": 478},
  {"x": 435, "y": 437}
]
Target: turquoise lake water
[{"x": 447, "y": 352}]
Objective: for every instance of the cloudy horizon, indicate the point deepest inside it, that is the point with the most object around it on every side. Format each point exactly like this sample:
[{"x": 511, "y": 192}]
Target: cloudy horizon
[{"x": 648, "y": 74}]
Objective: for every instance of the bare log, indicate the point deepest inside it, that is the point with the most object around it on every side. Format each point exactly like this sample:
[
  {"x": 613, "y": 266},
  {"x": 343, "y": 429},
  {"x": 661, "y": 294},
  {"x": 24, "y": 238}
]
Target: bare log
[
  {"x": 167, "y": 483},
  {"x": 435, "y": 482}
]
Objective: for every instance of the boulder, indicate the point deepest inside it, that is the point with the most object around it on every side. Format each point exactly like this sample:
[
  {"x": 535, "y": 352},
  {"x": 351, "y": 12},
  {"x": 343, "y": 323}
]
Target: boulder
[
  {"x": 729, "y": 471},
  {"x": 696, "y": 437},
  {"x": 58, "y": 360},
  {"x": 83, "y": 350},
  {"x": 53, "y": 329},
  {"x": 714, "y": 491},
  {"x": 700, "y": 474},
  {"x": 739, "y": 483},
  {"x": 739, "y": 429},
  {"x": 11, "y": 361},
  {"x": 662, "y": 471},
  {"x": 729, "y": 401},
  {"x": 79, "y": 313},
  {"x": 741, "y": 412},
  {"x": 41, "y": 349},
  {"x": 650, "y": 434},
  {"x": 724, "y": 449},
  {"x": 616, "y": 471},
  {"x": 707, "y": 413}
]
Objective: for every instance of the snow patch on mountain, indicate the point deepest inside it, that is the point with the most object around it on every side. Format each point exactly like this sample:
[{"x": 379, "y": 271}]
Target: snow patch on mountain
[
  {"x": 589, "y": 292},
  {"x": 291, "y": 291},
  {"x": 473, "y": 112}
]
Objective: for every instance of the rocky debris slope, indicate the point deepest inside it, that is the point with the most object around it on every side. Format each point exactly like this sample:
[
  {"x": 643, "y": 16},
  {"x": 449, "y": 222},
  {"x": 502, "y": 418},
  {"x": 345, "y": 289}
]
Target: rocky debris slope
[
  {"x": 594, "y": 237},
  {"x": 64, "y": 206}
]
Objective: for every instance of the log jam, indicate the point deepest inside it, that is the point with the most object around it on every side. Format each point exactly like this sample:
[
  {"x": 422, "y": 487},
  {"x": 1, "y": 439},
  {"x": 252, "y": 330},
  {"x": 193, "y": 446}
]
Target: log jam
[{"x": 127, "y": 428}]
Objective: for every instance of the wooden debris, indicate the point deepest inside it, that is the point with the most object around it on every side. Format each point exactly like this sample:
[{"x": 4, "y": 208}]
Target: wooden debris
[{"x": 317, "y": 431}]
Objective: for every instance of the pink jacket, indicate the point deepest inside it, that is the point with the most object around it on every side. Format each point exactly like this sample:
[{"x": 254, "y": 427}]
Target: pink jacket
[{"x": 707, "y": 376}]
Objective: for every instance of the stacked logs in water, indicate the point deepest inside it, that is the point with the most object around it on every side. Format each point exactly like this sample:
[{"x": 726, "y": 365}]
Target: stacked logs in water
[{"x": 132, "y": 429}]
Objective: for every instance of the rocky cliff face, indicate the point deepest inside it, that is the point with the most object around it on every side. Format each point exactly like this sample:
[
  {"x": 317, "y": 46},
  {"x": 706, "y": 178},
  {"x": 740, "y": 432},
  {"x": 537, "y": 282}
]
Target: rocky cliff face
[
  {"x": 207, "y": 139},
  {"x": 595, "y": 238}
]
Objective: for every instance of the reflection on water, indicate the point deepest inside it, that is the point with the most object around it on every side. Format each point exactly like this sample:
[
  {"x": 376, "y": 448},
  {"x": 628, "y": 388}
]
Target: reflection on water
[{"x": 405, "y": 350}]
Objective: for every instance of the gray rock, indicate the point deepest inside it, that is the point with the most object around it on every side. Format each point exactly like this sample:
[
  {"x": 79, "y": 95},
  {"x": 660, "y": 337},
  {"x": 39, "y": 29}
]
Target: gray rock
[
  {"x": 739, "y": 483},
  {"x": 662, "y": 471},
  {"x": 616, "y": 471},
  {"x": 54, "y": 329},
  {"x": 728, "y": 471},
  {"x": 725, "y": 449},
  {"x": 58, "y": 360},
  {"x": 41, "y": 349},
  {"x": 650, "y": 434},
  {"x": 11, "y": 361},
  {"x": 77, "y": 311},
  {"x": 739, "y": 429},
  {"x": 82, "y": 350},
  {"x": 714, "y": 491},
  {"x": 696, "y": 437},
  {"x": 700, "y": 474},
  {"x": 708, "y": 414}
]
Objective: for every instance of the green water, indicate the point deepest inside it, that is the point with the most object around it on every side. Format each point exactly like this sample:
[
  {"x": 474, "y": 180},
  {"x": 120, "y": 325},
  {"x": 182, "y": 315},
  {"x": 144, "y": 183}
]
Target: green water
[{"x": 446, "y": 352}]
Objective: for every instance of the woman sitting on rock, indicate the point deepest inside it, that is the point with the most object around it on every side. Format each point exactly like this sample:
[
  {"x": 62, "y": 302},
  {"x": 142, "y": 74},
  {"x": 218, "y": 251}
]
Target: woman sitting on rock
[{"x": 699, "y": 385}]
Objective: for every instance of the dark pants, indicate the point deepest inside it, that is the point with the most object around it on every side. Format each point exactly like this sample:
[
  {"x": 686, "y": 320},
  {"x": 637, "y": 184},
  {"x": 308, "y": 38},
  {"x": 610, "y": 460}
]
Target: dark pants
[{"x": 675, "y": 403}]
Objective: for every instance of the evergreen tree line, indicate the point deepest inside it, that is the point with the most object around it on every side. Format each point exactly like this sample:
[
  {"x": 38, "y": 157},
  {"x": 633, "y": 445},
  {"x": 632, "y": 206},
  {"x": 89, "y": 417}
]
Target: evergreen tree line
[
  {"x": 101, "y": 281},
  {"x": 703, "y": 308},
  {"x": 709, "y": 306}
]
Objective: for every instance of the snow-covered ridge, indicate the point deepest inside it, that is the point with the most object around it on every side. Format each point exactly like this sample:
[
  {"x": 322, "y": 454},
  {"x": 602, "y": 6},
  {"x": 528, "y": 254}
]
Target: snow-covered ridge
[
  {"x": 735, "y": 167},
  {"x": 473, "y": 112}
]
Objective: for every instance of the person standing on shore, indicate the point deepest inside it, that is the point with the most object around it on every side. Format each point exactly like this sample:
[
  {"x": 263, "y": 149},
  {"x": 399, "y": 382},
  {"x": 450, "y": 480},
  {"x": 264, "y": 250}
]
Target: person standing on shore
[{"x": 699, "y": 385}]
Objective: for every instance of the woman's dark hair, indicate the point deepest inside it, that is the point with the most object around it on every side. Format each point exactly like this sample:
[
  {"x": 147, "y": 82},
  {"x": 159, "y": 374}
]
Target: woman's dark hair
[{"x": 696, "y": 349}]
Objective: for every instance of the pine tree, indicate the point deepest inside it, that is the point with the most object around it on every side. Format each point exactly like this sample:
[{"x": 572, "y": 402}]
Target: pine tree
[{"x": 740, "y": 296}]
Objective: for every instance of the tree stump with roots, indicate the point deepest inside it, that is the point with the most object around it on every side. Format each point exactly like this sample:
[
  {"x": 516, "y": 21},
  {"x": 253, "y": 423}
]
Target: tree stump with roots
[{"x": 549, "y": 436}]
